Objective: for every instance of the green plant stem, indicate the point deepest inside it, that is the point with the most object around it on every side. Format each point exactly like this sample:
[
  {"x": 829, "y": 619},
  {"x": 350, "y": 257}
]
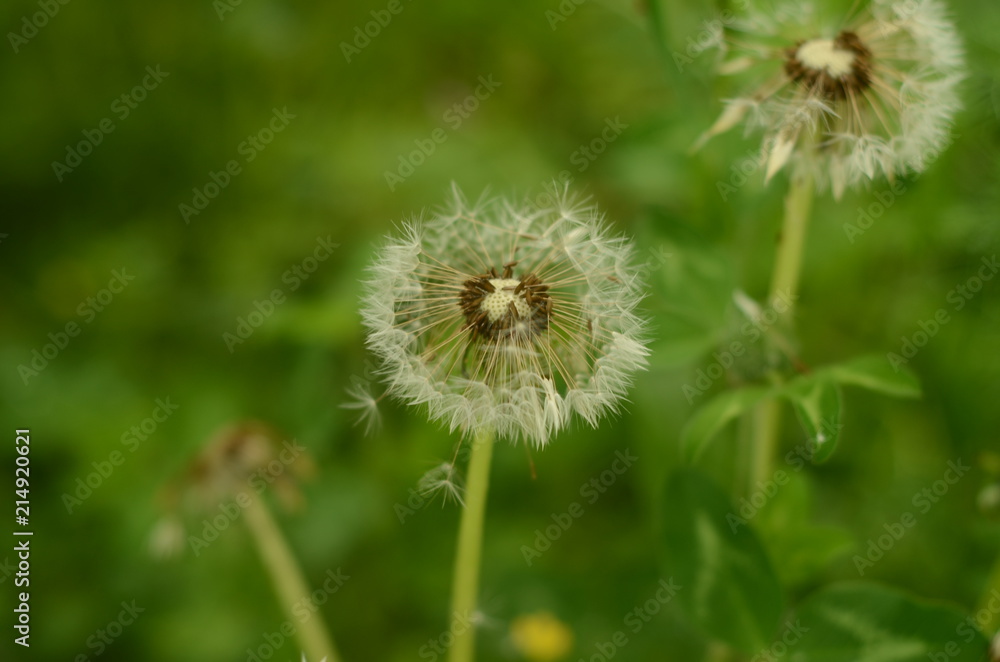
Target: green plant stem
[
  {"x": 465, "y": 583},
  {"x": 992, "y": 587},
  {"x": 288, "y": 580},
  {"x": 784, "y": 286}
]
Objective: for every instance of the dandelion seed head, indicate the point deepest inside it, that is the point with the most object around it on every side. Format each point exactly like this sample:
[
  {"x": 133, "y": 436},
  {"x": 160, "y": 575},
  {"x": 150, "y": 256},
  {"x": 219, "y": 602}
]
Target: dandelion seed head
[
  {"x": 844, "y": 100},
  {"x": 507, "y": 317}
]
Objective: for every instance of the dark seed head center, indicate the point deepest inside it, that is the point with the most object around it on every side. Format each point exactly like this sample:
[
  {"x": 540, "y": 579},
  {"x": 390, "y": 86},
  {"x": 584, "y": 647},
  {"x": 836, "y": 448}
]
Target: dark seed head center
[
  {"x": 833, "y": 68},
  {"x": 499, "y": 307}
]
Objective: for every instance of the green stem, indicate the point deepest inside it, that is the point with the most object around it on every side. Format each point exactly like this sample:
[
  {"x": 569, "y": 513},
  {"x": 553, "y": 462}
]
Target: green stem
[
  {"x": 766, "y": 416},
  {"x": 465, "y": 583},
  {"x": 288, "y": 580},
  {"x": 791, "y": 243},
  {"x": 992, "y": 587}
]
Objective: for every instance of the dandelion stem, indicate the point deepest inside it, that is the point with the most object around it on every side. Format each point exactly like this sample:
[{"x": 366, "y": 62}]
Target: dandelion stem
[
  {"x": 288, "y": 580},
  {"x": 784, "y": 286},
  {"x": 990, "y": 628},
  {"x": 465, "y": 584},
  {"x": 791, "y": 244}
]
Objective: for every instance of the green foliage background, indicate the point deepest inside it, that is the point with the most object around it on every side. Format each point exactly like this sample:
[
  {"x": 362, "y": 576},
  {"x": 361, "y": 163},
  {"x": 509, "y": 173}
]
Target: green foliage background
[{"x": 324, "y": 176}]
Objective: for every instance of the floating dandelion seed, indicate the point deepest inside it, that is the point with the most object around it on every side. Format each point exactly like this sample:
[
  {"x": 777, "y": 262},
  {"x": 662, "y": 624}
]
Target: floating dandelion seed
[
  {"x": 845, "y": 101},
  {"x": 507, "y": 318},
  {"x": 444, "y": 480},
  {"x": 366, "y": 405}
]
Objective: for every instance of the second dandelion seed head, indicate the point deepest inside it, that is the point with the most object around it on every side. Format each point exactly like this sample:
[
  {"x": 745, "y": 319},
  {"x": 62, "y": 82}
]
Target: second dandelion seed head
[{"x": 843, "y": 100}]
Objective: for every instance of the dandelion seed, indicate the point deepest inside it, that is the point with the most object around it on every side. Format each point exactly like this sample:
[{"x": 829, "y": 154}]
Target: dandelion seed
[
  {"x": 507, "y": 318},
  {"x": 845, "y": 100},
  {"x": 367, "y": 406},
  {"x": 444, "y": 480}
]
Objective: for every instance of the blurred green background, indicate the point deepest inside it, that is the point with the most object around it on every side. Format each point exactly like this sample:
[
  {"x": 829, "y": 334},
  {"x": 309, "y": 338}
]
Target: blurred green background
[{"x": 226, "y": 68}]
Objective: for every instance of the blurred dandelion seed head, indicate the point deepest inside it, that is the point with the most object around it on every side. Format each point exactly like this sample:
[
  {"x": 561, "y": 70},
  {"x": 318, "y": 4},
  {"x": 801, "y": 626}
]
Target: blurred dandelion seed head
[
  {"x": 844, "y": 99},
  {"x": 248, "y": 456},
  {"x": 506, "y": 317}
]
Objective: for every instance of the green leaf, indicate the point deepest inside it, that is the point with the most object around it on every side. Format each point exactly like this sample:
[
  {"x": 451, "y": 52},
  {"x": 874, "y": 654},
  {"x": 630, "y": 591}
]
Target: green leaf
[
  {"x": 817, "y": 402},
  {"x": 711, "y": 417},
  {"x": 800, "y": 548},
  {"x": 728, "y": 587},
  {"x": 866, "y": 622},
  {"x": 875, "y": 374},
  {"x": 692, "y": 281},
  {"x": 656, "y": 23}
]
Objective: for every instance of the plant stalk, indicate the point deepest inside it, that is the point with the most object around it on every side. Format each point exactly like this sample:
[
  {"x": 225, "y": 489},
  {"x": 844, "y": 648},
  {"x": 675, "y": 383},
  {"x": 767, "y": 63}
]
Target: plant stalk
[
  {"x": 992, "y": 627},
  {"x": 288, "y": 580},
  {"x": 766, "y": 416},
  {"x": 465, "y": 582}
]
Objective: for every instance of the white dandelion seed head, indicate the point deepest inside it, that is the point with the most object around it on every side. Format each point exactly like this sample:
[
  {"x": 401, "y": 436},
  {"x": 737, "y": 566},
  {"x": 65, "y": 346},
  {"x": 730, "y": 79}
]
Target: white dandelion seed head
[
  {"x": 846, "y": 100},
  {"x": 505, "y": 317}
]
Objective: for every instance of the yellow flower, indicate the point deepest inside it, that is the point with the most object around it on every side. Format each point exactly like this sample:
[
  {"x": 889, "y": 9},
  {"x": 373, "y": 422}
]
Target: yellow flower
[{"x": 541, "y": 637}]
